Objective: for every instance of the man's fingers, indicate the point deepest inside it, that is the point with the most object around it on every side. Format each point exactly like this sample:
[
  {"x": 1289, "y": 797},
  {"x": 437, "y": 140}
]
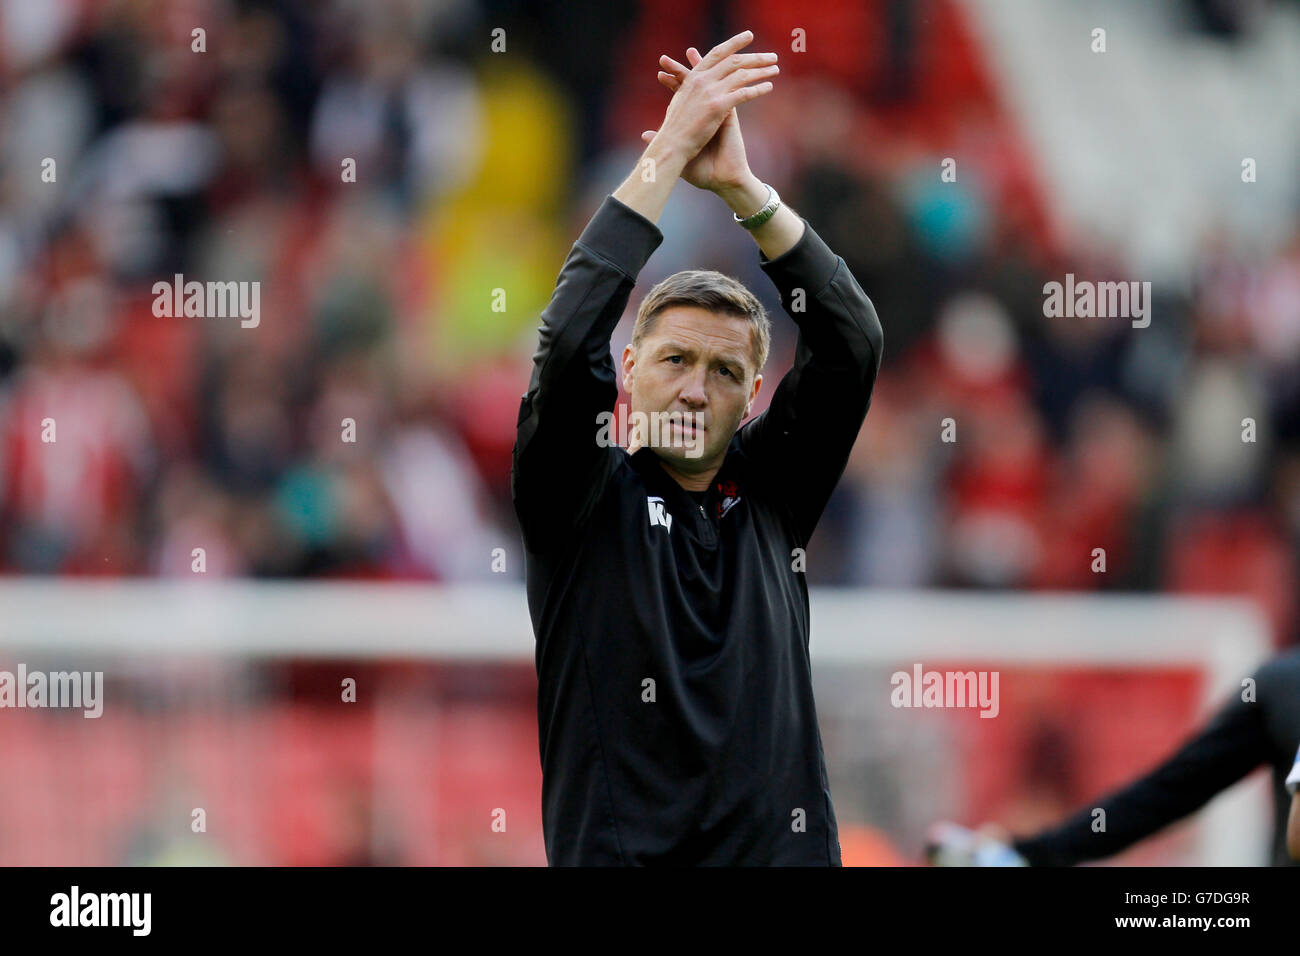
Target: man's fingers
[
  {"x": 649, "y": 134},
  {"x": 741, "y": 71},
  {"x": 750, "y": 62},
  {"x": 728, "y": 47},
  {"x": 745, "y": 77},
  {"x": 740, "y": 61},
  {"x": 672, "y": 66},
  {"x": 747, "y": 93}
]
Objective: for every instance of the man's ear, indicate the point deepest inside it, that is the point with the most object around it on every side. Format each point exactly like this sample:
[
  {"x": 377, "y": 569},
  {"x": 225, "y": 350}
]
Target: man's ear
[
  {"x": 758, "y": 384},
  {"x": 629, "y": 361}
]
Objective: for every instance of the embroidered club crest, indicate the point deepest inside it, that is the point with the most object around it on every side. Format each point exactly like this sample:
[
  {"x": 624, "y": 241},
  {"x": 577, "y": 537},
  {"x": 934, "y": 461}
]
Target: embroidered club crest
[{"x": 728, "y": 496}]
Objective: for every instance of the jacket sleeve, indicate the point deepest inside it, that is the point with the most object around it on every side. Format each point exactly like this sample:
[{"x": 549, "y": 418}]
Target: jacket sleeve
[
  {"x": 1231, "y": 745},
  {"x": 800, "y": 444},
  {"x": 558, "y": 467}
]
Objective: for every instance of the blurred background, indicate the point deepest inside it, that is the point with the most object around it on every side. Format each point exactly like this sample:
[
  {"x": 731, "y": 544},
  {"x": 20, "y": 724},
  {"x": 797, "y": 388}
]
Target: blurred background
[{"x": 1171, "y": 157}]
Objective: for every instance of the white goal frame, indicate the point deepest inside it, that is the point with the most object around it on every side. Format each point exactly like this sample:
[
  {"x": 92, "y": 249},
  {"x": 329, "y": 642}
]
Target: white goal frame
[{"x": 133, "y": 618}]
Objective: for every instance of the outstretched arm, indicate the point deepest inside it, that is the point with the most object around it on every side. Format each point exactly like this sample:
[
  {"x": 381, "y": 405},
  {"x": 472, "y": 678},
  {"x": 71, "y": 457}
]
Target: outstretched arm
[
  {"x": 801, "y": 444},
  {"x": 559, "y": 465},
  {"x": 1232, "y": 745}
]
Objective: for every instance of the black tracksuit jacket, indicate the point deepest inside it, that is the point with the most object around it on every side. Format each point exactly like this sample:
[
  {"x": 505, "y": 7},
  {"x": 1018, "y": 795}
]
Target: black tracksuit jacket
[
  {"x": 675, "y": 706},
  {"x": 1241, "y": 736}
]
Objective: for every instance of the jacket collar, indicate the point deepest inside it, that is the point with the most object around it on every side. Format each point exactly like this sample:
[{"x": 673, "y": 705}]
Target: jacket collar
[{"x": 647, "y": 463}]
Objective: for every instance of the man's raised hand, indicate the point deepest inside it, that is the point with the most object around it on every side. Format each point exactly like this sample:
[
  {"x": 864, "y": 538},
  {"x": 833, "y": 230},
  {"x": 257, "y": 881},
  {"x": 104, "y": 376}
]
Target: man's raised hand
[{"x": 701, "y": 118}]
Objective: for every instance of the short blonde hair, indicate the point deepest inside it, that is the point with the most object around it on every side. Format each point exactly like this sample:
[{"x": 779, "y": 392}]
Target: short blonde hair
[{"x": 713, "y": 292}]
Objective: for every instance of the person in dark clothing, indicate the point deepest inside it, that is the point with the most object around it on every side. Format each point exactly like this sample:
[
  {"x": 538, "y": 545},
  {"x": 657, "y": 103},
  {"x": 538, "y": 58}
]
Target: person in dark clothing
[
  {"x": 1258, "y": 725},
  {"x": 665, "y": 582}
]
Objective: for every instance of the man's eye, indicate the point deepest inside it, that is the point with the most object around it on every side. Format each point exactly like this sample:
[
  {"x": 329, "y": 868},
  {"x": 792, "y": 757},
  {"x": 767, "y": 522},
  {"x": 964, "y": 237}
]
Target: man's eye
[
  {"x": 673, "y": 358},
  {"x": 727, "y": 371}
]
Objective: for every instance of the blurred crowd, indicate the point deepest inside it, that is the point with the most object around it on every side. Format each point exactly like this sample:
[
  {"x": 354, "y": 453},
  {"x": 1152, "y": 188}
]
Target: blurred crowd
[{"x": 1175, "y": 449}]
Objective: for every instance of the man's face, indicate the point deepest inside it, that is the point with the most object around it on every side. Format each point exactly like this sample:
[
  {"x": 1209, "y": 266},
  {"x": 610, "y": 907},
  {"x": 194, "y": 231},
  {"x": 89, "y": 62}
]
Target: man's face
[{"x": 698, "y": 366}]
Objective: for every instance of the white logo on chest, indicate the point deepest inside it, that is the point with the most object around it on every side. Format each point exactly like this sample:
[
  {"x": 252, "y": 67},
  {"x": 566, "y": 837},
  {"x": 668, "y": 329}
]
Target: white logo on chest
[{"x": 658, "y": 516}]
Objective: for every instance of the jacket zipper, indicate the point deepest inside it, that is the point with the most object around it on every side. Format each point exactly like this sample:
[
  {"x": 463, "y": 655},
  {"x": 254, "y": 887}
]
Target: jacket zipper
[{"x": 710, "y": 533}]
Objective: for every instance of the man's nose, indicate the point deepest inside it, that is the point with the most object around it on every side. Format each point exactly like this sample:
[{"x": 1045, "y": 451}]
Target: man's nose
[{"x": 692, "y": 392}]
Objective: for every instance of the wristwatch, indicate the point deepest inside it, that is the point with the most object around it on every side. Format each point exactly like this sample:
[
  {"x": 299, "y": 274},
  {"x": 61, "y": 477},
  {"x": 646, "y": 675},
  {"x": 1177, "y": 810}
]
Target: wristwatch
[{"x": 763, "y": 215}]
